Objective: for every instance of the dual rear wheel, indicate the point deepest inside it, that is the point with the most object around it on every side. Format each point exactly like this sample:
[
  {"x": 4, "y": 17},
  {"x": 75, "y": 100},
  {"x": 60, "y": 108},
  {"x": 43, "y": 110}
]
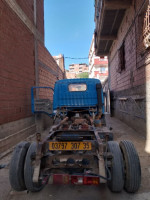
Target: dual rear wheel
[
  {"x": 16, "y": 170},
  {"x": 21, "y": 168},
  {"x": 125, "y": 167}
]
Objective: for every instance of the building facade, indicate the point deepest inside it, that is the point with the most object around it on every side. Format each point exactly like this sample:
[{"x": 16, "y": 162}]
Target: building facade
[
  {"x": 98, "y": 66},
  {"x": 24, "y": 62},
  {"x": 76, "y": 69},
  {"x": 122, "y": 33},
  {"x": 60, "y": 62}
]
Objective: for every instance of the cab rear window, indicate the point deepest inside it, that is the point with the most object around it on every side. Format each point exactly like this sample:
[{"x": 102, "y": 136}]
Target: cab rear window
[{"x": 77, "y": 87}]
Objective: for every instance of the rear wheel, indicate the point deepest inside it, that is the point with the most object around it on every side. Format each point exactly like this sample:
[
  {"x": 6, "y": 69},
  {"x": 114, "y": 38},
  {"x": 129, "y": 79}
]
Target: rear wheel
[
  {"x": 131, "y": 165},
  {"x": 116, "y": 169},
  {"x": 16, "y": 170},
  {"x": 29, "y": 169}
]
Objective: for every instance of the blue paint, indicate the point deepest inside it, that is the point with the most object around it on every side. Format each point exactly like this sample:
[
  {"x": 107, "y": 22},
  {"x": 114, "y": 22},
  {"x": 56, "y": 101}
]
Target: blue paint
[
  {"x": 32, "y": 99},
  {"x": 73, "y": 100},
  {"x": 85, "y": 99}
]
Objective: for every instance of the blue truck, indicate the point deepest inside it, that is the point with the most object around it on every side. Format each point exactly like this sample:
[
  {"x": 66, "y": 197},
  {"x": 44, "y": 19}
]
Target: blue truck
[{"x": 79, "y": 147}]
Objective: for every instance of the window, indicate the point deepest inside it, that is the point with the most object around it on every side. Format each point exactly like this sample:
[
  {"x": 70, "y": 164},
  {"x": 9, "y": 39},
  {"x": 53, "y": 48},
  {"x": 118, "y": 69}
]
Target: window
[
  {"x": 77, "y": 87},
  {"x": 102, "y": 69},
  {"x": 71, "y": 68},
  {"x": 121, "y": 58}
]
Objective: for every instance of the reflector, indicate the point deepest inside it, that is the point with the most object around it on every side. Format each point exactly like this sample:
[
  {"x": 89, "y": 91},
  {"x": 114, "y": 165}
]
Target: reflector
[
  {"x": 60, "y": 179},
  {"x": 78, "y": 180},
  {"x": 91, "y": 180}
]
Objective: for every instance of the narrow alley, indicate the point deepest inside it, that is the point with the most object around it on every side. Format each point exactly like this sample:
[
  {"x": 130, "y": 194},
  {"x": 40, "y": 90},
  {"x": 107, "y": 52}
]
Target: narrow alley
[
  {"x": 75, "y": 99},
  {"x": 54, "y": 192}
]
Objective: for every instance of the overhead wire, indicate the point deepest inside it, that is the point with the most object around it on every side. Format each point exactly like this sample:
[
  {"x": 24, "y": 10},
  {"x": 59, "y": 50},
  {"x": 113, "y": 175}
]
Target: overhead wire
[
  {"x": 72, "y": 58},
  {"x": 76, "y": 58}
]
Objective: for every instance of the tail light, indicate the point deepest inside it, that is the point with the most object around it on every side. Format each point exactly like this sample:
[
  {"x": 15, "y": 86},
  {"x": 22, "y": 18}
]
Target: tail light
[
  {"x": 78, "y": 180},
  {"x": 74, "y": 179},
  {"x": 61, "y": 179},
  {"x": 91, "y": 180}
]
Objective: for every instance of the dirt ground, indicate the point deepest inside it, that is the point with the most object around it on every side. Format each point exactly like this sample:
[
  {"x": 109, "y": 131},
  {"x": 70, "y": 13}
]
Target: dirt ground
[{"x": 64, "y": 192}]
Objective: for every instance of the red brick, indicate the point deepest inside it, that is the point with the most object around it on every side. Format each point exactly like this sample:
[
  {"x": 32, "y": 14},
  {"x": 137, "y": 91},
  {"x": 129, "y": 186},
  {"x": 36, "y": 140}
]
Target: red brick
[{"x": 17, "y": 61}]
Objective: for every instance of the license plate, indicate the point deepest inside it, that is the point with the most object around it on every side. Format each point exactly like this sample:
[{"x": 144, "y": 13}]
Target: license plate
[{"x": 69, "y": 146}]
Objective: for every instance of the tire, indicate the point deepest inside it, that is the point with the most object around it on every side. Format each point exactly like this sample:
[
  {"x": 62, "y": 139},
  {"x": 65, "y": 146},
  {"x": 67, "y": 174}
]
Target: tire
[
  {"x": 16, "y": 170},
  {"x": 132, "y": 166},
  {"x": 28, "y": 171},
  {"x": 116, "y": 183}
]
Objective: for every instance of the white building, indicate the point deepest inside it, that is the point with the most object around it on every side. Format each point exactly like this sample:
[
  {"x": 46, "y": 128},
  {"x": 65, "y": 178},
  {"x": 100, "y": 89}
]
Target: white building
[{"x": 98, "y": 66}]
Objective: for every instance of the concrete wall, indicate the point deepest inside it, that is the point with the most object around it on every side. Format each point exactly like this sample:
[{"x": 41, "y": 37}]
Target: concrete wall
[
  {"x": 129, "y": 86},
  {"x": 24, "y": 62}
]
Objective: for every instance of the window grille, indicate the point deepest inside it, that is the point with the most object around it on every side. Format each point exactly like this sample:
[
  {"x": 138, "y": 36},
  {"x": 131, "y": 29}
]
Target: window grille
[{"x": 146, "y": 28}]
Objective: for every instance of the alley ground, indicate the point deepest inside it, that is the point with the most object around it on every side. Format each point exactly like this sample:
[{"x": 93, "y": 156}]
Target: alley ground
[{"x": 66, "y": 192}]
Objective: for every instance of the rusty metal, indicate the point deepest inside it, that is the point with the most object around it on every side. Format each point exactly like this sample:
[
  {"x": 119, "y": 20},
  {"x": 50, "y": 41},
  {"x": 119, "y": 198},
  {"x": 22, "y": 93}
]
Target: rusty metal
[
  {"x": 55, "y": 161},
  {"x": 37, "y": 162},
  {"x": 100, "y": 153},
  {"x": 79, "y": 121},
  {"x": 38, "y": 137},
  {"x": 55, "y": 127}
]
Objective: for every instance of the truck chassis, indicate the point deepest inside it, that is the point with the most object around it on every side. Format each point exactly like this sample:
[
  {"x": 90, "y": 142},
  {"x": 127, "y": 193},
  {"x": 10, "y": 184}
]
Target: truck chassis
[{"x": 79, "y": 149}]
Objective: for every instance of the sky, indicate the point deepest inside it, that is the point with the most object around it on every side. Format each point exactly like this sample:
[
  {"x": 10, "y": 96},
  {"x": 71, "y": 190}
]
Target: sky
[{"x": 69, "y": 27}]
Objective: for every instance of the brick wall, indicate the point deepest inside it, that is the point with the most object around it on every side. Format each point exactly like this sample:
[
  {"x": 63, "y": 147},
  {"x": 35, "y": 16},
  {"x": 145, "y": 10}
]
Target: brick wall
[
  {"x": 48, "y": 68},
  {"x": 49, "y": 71},
  {"x": 17, "y": 62},
  {"x": 134, "y": 73},
  {"x": 19, "y": 68},
  {"x": 17, "y": 72},
  {"x": 40, "y": 16},
  {"x": 129, "y": 85},
  {"x": 27, "y": 7}
]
